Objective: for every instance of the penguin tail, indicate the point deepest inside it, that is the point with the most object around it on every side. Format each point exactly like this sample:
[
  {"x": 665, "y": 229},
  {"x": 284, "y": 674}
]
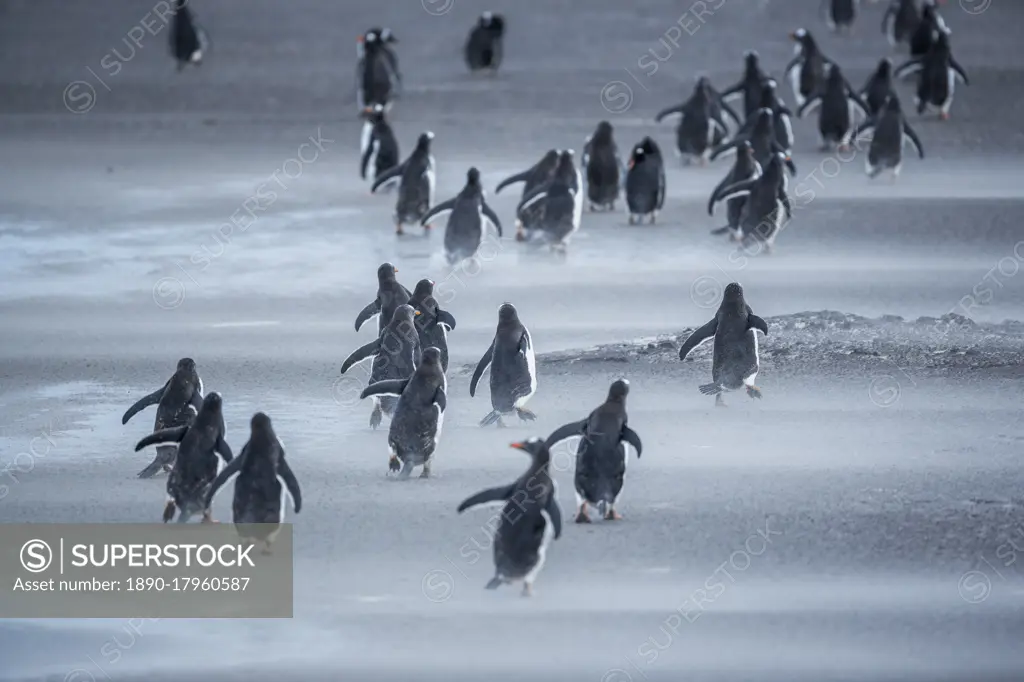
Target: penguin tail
[
  {"x": 493, "y": 584},
  {"x": 721, "y": 230},
  {"x": 491, "y": 417},
  {"x": 710, "y": 389},
  {"x": 602, "y": 507}
]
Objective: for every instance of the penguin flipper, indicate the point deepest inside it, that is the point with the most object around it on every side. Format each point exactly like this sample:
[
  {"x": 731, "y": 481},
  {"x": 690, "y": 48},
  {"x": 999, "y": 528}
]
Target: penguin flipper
[
  {"x": 372, "y": 308},
  {"x": 387, "y": 176},
  {"x": 444, "y": 317},
  {"x": 737, "y": 189},
  {"x": 786, "y": 203},
  {"x": 709, "y": 389},
  {"x": 392, "y": 387},
  {"x": 699, "y": 336},
  {"x": 555, "y": 512},
  {"x": 443, "y": 207},
  {"x": 908, "y": 68},
  {"x": 440, "y": 398},
  {"x": 171, "y": 435},
  {"x": 567, "y": 431},
  {"x": 630, "y": 436},
  {"x": 730, "y": 112},
  {"x": 513, "y": 179},
  {"x": 732, "y": 92},
  {"x": 726, "y": 181},
  {"x": 793, "y": 63},
  {"x": 958, "y": 71},
  {"x": 755, "y": 322},
  {"x": 223, "y": 449},
  {"x": 144, "y": 402},
  {"x": 480, "y": 367},
  {"x": 535, "y": 195},
  {"x": 809, "y": 105},
  {"x": 723, "y": 148},
  {"x": 909, "y": 134},
  {"x": 499, "y": 494},
  {"x": 855, "y": 99},
  {"x": 491, "y": 216},
  {"x": 360, "y": 354},
  {"x": 678, "y": 109},
  {"x": 865, "y": 126},
  {"x": 290, "y": 482},
  {"x": 233, "y": 467}
]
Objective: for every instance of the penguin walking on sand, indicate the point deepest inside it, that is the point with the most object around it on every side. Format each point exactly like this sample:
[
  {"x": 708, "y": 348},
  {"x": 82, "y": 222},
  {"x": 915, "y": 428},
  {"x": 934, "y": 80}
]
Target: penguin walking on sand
[
  {"x": 744, "y": 168},
  {"x": 900, "y": 21},
  {"x": 603, "y": 170},
  {"x": 395, "y": 353},
  {"x": 562, "y": 199},
  {"x": 840, "y": 14},
  {"x": 645, "y": 182},
  {"x": 264, "y": 477},
  {"x": 749, "y": 86},
  {"x": 762, "y": 139},
  {"x": 601, "y": 456},
  {"x": 698, "y": 123},
  {"x": 419, "y": 414},
  {"x": 432, "y": 323},
  {"x": 196, "y": 464},
  {"x": 178, "y": 401},
  {"x": 377, "y": 80},
  {"x": 385, "y": 38},
  {"x": 468, "y": 215},
  {"x": 928, "y": 30},
  {"x": 484, "y": 47},
  {"x": 890, "y": 131},
  {"x": 735, "y": 362},
  {"x": 187, "y": 38},
  {"x": 806, "y": 72},
  {"x": 937, "y": 73},
  {"x": 378, "y": 145},
  {"x": 513, "y": 369},
  {"x": 416, "y": 177},
  {"x": 390, "y": 295},
  {"x": 766, "y": 202},
  {"x": 836, "y": 105},
  {"x": 530, "y": 519},
  {"x": 532, "y": 178},
  {"x": 782, "y": 118},
  {"x": 878, "y": 87}
]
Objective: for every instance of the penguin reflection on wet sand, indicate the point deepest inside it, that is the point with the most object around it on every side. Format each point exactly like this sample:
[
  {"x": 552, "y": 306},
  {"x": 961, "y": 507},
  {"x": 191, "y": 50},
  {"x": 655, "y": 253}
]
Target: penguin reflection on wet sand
[
  {"x": 530, "y": 519},
  {"x": 735, "y": 362},
  {"x": 468, "y": 216},
  {"x": 744, "y": 168},
  {"x": 603, "y": 169},
  {"x": 416, "y": 178},
  {"x": 513, "y": 369},
  {"x": 419, "y": 414},
  {"x": 178, "y": 401},
  {"x": 264, "y": 477},
  {"x": 196, "y": 464},
  {"x": 601, "y": 456},
  {"x": 378, "y": 145},
  {"x": 937, "y": 73},
  {"x": 395, "y": 353},
  {"x": 562, "y": 201},
  {"x": 806, "y": 72},
  {"x": 187, "y": 38},
  {"x": 836, "y": 104},
  {"x": 645, "y": 182},
  {"x": 432, "y": 323},
  {"x": 890, "y": 131},
  {"x": 766, "y": 204},
  {"x": 390, "y": 295},
  {"x": 532, "y": 178},
  {"x": 484, "y": 47}
]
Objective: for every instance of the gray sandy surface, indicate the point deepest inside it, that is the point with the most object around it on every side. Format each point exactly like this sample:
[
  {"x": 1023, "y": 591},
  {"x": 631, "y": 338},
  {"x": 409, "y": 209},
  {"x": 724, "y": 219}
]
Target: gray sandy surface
[{"x": 861, "y": 522}]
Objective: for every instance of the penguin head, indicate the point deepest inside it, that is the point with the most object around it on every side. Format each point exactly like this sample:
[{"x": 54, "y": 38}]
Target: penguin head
[
  {"x": 767, "y": 100},
  {"x": 603, "y": 133},
  {"x": 179, "y": 4},
  {"x": 835, "y": 75},
  {"x": 374, "y": 114},
  {"x": 550, "y": 160},
  {"x": 507, "y": 313},
  {"x": 892, "y": 103},
  {"x": 744, "y": 150},
  {"x": 536, "y": 447},
  {"x": 751, "y": 61},
  {"x": 186, "y": 365},
  {"x": 566, "y": 164},
  {"x": 473, "y": 177},
  {"x": 884, "y": 67},
  {"x": 733, "y": 294},
  {"x": 941, "y": 43},
  {"x": 213, "y": 401},
  {"x": 618, "y": 391},
  {"x": 497, "y": 25},
  {"x": 430, "y": 356},
  {"x": 424, "y": 290},
  {"x": 386, "y": 273},
  {"x": 804, "y": 41},
  {"x": 764, "y": 119},
  {"x": 405, "y": 314},
  {"x": 260, "y": 422},
  {"x": 386, "y": 36},
  {"x": 423, "y": 143}
]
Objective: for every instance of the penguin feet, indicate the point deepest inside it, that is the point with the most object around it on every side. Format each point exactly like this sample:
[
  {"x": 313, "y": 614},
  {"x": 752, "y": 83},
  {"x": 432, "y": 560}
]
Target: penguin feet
[
  {"x": 490, "y": 418},
  {"x": 406, "y": 471},
  {"x": 208, "y": 517},
  {"x": 720, "y": 401},
  {"x": 426, "y": 471},
  {"x": 943, "y": 115},
  {"x": 526, "y": 415},
  {"x": 502, "y": 424},
  {"x": 654, "y": 217},
  {"x": 581, "y": 515},
  {"x": 376, "y": 417},
  {"x": 169, "y": 511},
  {"x": 612, "y": 515},
  {"x": 754, "y": 391},
  {"x": 394, "y": 464},
  {"x": 632, "y": 220},
  {"x": 520, "y": 235},
  {"x": 527, "y": 589},
  {"x": 399, "y": 232}
]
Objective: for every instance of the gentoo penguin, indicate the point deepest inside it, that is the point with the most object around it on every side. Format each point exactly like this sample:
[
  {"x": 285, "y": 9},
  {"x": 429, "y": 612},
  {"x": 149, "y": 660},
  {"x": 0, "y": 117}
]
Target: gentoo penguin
[
  {"x": 766, "y": 199},
  {"x": 806, "y": 72},
  {"x": 390, "y": 295},
  {"x": 840, "y": 14},
  {"x": 468, "y": 214},
  {"x": 196, "y": 464},
  {"x": 264, "y": 477},
  {"x": 890, "y": 131},
  {"x": 761, "y": 136},
  {"x": 744, "y": 168},
  {"x": 645, "y": 182},
  {"x": 513, "y": 368},
  {"x": 378, "y": 144},
  {"x": 562, "y": 199},
  {"x": 188, "y": 39},
  {"x": 781, "y": 118},
  {"x": 419, "y": 414},
  {"x": 719, "y": 109},
  {"x": 395, "y": 354},
  {"x": 483, "y": 49},
  {"x": 601, "y": 457},
  {"x": 417, "y": 180},
  {"x": 878, "y": 87},
  {"x": 695, "y": 134},
  {"x": 376, "y": 83},
  {"x": 530, "y": 518},
  {"x": 734, "y": 328},
  {"x": 177, "y": 403},
  {"x": 836, "y": 104},
  {"x": 900, "y": 21},
  {"x": 532, "y": 178},
  {"x": 936, "y": 76},
  {"x": 928, "y": 30},
  {"x": 432, "y": 323},
  {"x": 603, "y": 170},
  {"x": 384, "y": 38},
  {"x": 750, "y": 85}
]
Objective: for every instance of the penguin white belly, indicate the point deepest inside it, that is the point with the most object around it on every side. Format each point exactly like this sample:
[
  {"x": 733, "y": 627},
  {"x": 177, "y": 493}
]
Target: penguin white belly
[
  {"x": 285, "y": 496},
  {"x": 549, "y": 533},
  {"x": 365, "y": 137},
  {"x": 431, "y": 174},
  {"x": 440, "y": 424},
  {"x": 749, "y": 381},
  {"x": 577, "y": 207},
  {"x": 950, "y": 87},
  {"x": 531, "y": 366},
  {"x": 371, "y": 164},
  {"x": 794, "y": 81},
  {"x": 201, "y": 388}
]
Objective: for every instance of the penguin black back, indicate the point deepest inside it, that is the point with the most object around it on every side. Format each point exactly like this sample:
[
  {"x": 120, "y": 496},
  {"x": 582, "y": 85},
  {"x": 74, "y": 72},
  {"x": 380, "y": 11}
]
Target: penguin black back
[
  {"x": 433, "y": 323},
  {"x": 186, "y": 36},
  {"x": 602, "y": 167},
  {"x": 645, "y": 181},
  {"x": 484, "y": 47}
]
